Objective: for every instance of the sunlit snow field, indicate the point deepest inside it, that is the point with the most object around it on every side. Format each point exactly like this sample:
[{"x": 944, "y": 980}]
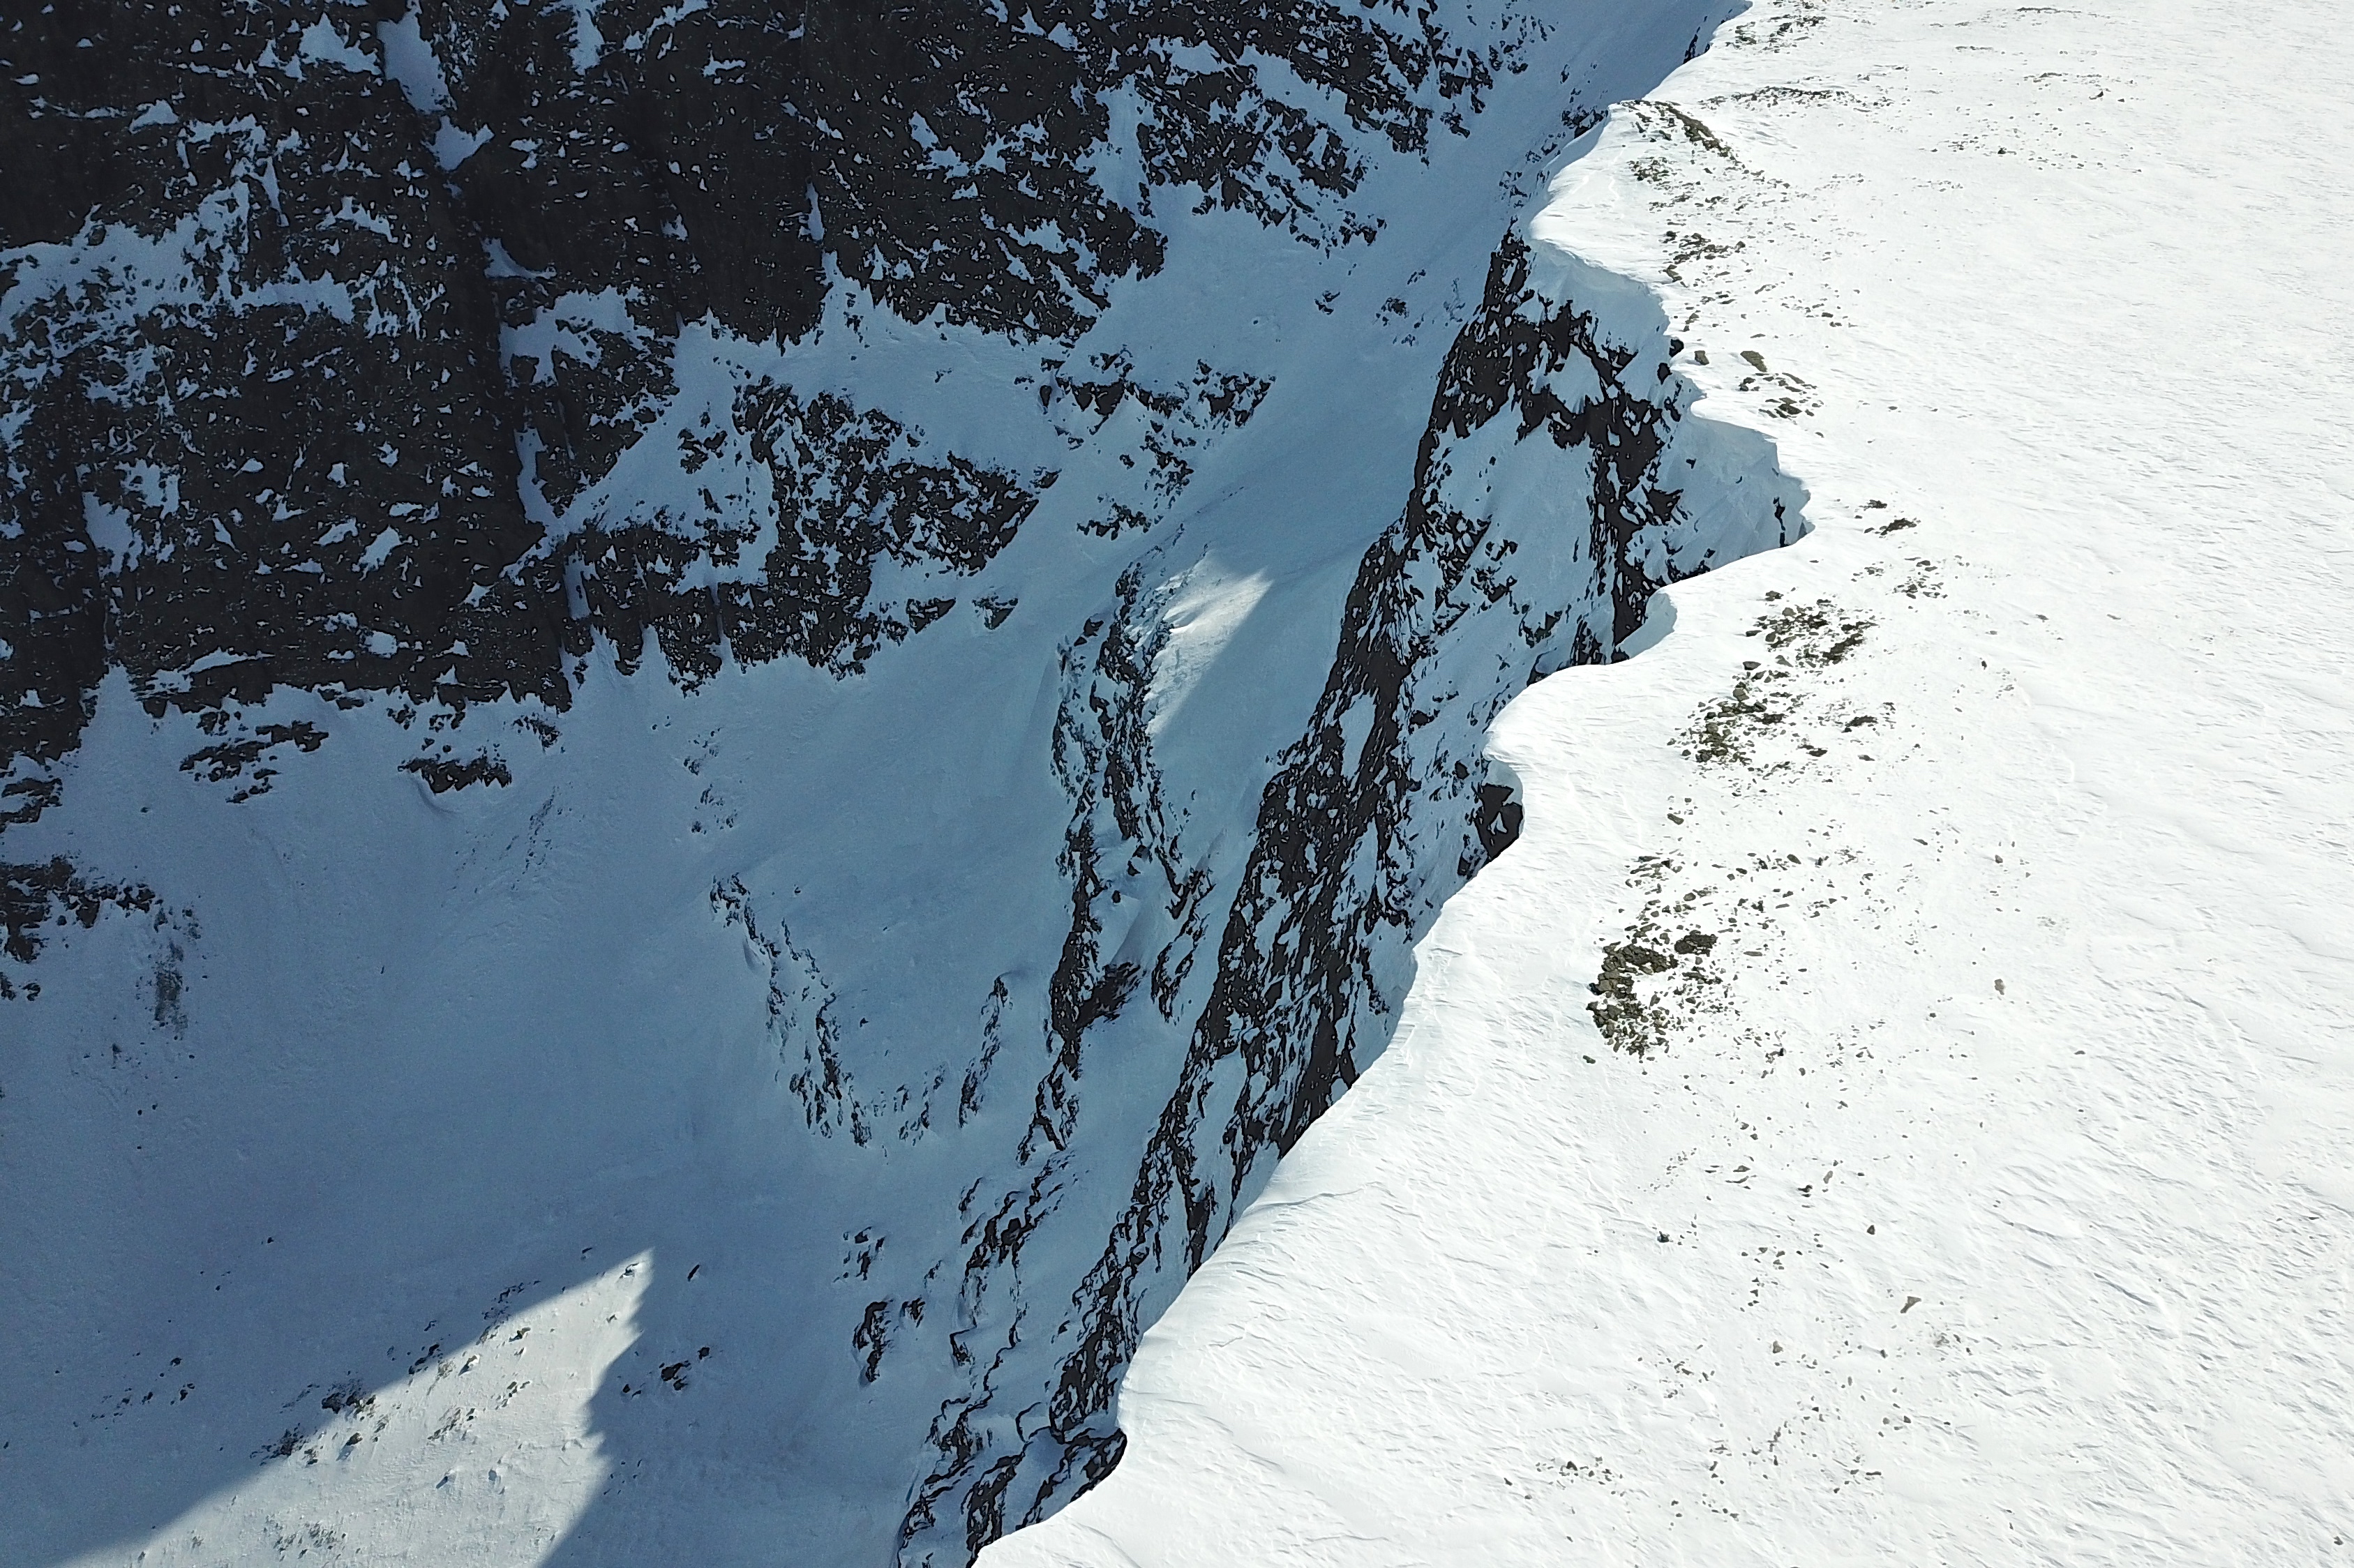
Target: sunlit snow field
[{"x": 1986, "y": 1193}]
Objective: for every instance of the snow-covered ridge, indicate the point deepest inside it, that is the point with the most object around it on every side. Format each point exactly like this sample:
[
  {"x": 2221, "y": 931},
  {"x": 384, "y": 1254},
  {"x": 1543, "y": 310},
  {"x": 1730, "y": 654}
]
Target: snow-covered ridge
[
  {"x": 1891, "y": 1104},
  {"x": 1540, "y": 521},
  {"x": 784, "y": 926}
]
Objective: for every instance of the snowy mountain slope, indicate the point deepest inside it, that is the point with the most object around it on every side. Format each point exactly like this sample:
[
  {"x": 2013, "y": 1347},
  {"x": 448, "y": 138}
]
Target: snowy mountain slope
[
  {"x": 659, "y": 883},
  {"x": 1893, "y": 1103}
]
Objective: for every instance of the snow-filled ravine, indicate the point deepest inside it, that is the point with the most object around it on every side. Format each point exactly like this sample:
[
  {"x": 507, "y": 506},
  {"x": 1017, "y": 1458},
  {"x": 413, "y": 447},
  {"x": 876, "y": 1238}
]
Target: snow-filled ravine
[
  {"x": 1896, "y": 1102},
  {"x": 714, "y": 718}
]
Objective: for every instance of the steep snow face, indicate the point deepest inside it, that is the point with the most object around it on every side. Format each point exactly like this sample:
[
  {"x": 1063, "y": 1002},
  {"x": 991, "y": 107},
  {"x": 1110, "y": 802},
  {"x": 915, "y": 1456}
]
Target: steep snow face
[
  {"x": 717, "y": 718},
  {"x": 1891, "y": 1104}
]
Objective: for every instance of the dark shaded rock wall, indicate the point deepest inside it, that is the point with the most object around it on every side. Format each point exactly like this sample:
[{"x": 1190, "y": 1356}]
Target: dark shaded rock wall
[{"x": 267, "y": 423}]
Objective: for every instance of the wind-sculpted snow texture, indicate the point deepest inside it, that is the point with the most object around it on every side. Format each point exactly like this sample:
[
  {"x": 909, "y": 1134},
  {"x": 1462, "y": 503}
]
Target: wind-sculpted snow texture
[{"x": 794, "y": 679}]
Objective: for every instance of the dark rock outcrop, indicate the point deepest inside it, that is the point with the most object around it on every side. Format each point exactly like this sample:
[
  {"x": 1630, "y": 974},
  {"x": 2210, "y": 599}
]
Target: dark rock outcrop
[{"x": 319, "y": 319}]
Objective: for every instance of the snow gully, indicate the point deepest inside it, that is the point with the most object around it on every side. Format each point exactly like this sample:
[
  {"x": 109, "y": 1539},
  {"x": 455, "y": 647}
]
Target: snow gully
[{"x": 1561, "y": 480}]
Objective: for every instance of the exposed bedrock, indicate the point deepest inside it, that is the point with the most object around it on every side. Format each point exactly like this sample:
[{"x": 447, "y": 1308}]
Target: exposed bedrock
[
  {"x": 324, "y": 321},
  {"x": 815, "y": 666}
]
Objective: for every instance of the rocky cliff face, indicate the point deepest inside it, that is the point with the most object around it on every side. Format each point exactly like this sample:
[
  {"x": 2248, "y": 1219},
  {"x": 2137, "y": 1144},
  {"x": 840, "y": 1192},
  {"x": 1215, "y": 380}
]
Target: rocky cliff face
[
  {"x": 922, "y": 504},
  {"x": 326, "y": 325},
  {"x": 1540, "y": 519}
]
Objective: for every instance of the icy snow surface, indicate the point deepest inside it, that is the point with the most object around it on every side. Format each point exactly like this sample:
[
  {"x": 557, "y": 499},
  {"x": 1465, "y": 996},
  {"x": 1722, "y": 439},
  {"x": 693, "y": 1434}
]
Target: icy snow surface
[{"x": 1983, "y": 1194}]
